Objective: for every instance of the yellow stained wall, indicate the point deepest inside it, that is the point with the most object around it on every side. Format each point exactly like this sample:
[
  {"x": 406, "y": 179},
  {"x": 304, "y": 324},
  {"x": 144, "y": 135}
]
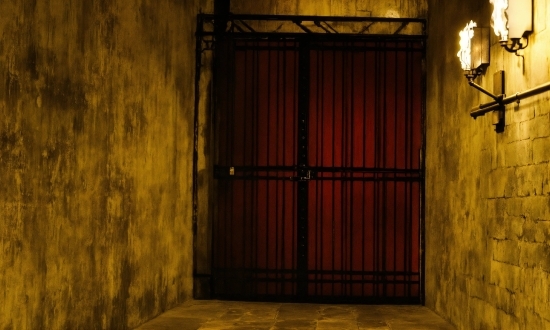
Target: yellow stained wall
[
  {"x": 487, "y": 193},
  {"x": 96, "y": 139}
]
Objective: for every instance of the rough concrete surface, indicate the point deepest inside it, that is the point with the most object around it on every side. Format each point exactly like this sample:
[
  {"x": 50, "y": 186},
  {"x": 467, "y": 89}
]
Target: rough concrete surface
[
  {"x": 96, "y": 103},
  {"x": 487, "y": 193}
]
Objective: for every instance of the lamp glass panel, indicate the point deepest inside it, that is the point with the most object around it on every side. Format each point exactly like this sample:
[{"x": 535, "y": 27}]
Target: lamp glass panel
[
  {"x": 480, "y": 47},
  {"x": 520, "y": 18}
]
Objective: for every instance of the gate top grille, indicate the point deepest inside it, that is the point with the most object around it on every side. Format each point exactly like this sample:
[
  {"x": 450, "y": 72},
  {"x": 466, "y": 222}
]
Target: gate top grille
[{"x": 294, "y": 26}]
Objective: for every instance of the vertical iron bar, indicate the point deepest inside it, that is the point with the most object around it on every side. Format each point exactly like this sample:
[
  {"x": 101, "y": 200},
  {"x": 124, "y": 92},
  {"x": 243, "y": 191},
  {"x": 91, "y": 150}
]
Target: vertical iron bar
[
  {"x": 277, "y": 148},
  {"x": 321, "y": 65},
  {"x": 317, "y": 218},
  {"x": 246, "y": 138},
  {"x": 352, "y": 152},
  {"x": 303, "y": 109},
  {"x": 268, "y": 163},
  {"x": 395, "y": 155},
  {"x": 375, "y": 187},
  {"x": 341, "y": 138},
  {"x": 345, "y": 175},
  {"x": 243, "y": 120},
  {"x": 384, "y": 165},
  {"x": 408, "y": 163},
  {"x": 224, "y": 90},
  {"x": 295, "y": 193},
  {"x": 284, "y": 163},
  {"x": 333, "y": 142},
  {"x": 256, "y": 147},
  {"x": 228, "y": 148},
  {"x": 231, "y": 142},
  {"x": 364, "y": 183},
  {"x": 408, "y": 133}
]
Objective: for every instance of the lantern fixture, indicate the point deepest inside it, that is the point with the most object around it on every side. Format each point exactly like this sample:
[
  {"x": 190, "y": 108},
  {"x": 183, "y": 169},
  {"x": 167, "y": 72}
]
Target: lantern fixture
[
  {"x": 512, "y": 21},
  {"x": 474, "y": 50}
]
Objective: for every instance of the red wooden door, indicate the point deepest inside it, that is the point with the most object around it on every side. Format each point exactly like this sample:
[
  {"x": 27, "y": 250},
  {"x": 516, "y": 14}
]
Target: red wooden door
[{"x": 319, "y": 174}]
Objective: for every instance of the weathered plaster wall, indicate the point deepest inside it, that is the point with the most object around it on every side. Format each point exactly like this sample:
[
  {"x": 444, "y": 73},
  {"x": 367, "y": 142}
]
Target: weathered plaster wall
[
  {"x": 96, "y": 126},
  {"x": 487, "y": 194},
  {"x": 388, "y": 8}
]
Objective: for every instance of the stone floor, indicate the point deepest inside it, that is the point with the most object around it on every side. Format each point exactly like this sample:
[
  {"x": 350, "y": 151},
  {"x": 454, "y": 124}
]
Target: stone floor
[{"x": 226, "y": 315}]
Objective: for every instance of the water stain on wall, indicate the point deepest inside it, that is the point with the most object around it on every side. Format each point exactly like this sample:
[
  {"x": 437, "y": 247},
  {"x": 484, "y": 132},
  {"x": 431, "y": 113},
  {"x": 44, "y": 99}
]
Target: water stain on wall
[{"x": 80, "y": 139}]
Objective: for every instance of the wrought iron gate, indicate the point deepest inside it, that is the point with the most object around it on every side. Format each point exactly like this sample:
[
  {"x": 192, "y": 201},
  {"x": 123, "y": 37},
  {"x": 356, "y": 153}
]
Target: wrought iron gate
[{"x": 319, "y": 169}]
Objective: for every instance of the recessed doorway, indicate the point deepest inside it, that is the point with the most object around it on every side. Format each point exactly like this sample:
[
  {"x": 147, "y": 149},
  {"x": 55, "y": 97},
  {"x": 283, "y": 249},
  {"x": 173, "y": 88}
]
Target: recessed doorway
[{"x": 319, "y": 174}]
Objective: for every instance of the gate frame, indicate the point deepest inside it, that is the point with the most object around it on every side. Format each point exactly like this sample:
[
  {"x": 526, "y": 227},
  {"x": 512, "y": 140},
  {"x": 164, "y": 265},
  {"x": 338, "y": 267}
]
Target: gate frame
[{"x": 209, "y": 29}]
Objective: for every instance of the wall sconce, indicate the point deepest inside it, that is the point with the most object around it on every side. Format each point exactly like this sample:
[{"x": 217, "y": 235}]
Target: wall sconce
[
  {"x": 474, "y": 58},
  {"x": 512, "y": 20},
  {"x": 474, "y": 50}
]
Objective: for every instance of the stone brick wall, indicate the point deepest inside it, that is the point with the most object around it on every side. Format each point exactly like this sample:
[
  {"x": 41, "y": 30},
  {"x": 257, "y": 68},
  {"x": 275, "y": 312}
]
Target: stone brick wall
[
  {"x": 487, "y": 193},
  {"x": 96, "y": 127}
]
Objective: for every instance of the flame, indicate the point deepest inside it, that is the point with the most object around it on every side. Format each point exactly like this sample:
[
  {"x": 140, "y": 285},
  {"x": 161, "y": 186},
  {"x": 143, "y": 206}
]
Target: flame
[
  {"x": 499, "y": 21},
  {"x": 465, "y": 52}
]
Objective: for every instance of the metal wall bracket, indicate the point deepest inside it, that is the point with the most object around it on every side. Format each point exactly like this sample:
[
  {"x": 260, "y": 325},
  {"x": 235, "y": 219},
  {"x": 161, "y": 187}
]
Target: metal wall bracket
[
  {"x": 498, "y": 95},
  {"x": 499, "y": 89},
  {"x": 517, "y": 97}
]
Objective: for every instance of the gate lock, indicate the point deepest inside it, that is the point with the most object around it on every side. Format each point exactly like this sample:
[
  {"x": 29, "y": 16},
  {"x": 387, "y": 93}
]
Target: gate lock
[{"x": 302, "y": 178}]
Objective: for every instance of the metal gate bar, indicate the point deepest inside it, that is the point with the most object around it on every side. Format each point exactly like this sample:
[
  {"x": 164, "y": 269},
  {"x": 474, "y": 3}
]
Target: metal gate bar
[{"x": 303, "y": 172}]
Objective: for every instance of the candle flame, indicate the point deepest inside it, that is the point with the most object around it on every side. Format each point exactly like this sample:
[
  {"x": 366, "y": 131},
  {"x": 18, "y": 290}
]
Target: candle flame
[
  {"x": 499, "y": 21},
  {"x": 465, "y": 52}
]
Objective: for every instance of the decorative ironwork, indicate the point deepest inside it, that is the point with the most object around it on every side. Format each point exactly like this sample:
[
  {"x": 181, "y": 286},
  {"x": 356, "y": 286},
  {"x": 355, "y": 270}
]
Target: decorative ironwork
[{"x": 269, "y": 26}]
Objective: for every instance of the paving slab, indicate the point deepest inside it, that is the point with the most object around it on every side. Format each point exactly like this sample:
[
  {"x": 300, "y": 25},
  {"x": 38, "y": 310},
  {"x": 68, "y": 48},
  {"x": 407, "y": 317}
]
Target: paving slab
[{"x": 235, "y": 315}]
